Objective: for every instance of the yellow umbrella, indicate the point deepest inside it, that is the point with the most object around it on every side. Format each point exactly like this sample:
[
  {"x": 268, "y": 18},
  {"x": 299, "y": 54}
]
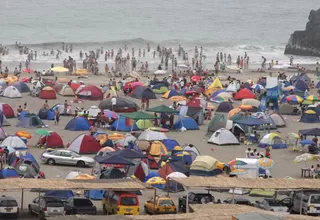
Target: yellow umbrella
[
  {"x": 177, "y": 98},
  {"x": 81, "y": 71},
  {"x": 59, "y": 69},
  {"x": 234, "y": 111}
]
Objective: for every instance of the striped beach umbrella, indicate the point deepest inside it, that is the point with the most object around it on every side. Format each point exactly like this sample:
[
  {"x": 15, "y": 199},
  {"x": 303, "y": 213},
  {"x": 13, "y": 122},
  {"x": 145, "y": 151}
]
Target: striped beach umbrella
[
  {"x": 312, "y": 98},
  {"x": 294, "y": 99}
]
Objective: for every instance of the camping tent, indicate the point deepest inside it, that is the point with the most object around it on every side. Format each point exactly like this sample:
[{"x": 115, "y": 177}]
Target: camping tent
[
  {"x": 22, "y": 87},
  {"x": 46, "y": 114},
  {"x": 144, "y": 124},
  {"x": 224, "y": 107},
  {"x": 78, "y": 124},
  {"x": 11, "y": 92},
  {"x": 186, "y": 122},
  {"x": 218, "y": 121},
  {"x": 93, "y": 111},
  {"x": 124, "y": 124},
  {"x": 90, "y": 92},
  {"x": 159, "y": 88},
  {"x": 157, "y": 149},
  {"x": 223, "y": 137},
  {"x": 192, "y": 150},
  {"x": 244, "y": 94},
  {"x": 216, "y": 84},
  {"x": 61, "y": 109},
  {"x": 142, "y": 91},
  {"x": 85, "y": 144},
  {"x": 7, "y": 110},
  {"x": 8, "y": 172},
  {"x": 162, "y": 109},
  {"x": 149, "y": 135},
  {"x": 274, "y": 140},
  {"x": 286, "y": 109},
  {"x": 53, "y": 140},
  {"x": 170, "y": 144},
  {"x": 172, "y": 166},
  {"x": 66, "y": 91},
  {"x": 278, "y": 120},
  {"x": 122, "y": 105},
  {"x": 309, "y": 116},
  {"x": 48, "y": 93},
  {"x": 30, "y": 121},
  {"x": 252, "y": 102},
  {"x": 204, "y": 166},
  {"x": 170, "y": 93},
  {"x": 194, "y": 112},
  {"x": 15, "y": 142}
]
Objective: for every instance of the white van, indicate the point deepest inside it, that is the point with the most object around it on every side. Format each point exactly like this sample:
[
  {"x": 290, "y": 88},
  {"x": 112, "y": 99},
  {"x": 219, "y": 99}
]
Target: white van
[{"x": 307, "y": 201}]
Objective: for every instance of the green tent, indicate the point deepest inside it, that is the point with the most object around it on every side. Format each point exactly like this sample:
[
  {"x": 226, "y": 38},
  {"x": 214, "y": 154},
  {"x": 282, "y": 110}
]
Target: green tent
[
  {"x": 162, "y": 109},
  {"x": 138, "y": 115}
]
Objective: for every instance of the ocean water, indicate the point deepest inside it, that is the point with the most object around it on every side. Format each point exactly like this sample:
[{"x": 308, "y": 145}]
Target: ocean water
[{"x": 260, "y": 28}]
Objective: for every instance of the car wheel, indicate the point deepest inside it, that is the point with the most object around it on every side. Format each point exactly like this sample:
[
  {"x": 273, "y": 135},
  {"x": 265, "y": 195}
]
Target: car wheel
[
  {"x": 51, "y": 162},
  {"x": 29, "y": 209},
  {"x": 80, "y": 163}
]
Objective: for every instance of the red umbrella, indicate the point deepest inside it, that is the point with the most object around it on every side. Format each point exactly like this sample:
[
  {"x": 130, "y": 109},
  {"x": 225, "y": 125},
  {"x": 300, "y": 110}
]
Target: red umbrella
[
  {"x": 196, "y": 78},
  {"x": 27, "y": 70}
]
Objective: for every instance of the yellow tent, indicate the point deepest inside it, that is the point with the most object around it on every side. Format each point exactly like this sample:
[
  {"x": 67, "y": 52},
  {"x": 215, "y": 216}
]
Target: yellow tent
[
  {"x": 81, "y": 71},
  {"x": 216, "y": 84},
  {"x": 157, "y": 148},
  {"x": 59, "y": 69},
  {"x": 144, "y": 124}
]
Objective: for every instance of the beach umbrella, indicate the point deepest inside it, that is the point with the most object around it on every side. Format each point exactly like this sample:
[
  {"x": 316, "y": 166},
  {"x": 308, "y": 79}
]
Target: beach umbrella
[
  {"x": 265, "y": 163},
  {"x": 219, "y": 99},
  {"x": 177, "y": 98},
  {"x": 306, "y": 157},
  {"x": 312, "y": 98},
  {"x": 159, "y": 129},
  {"x": 234, "y": 111},
  {"x": 235, "y": 163},
  {"x": 294, "y": 135},
  {"x": 176, "y": 175},
  {"x": 110, "y": 114},
  {"x": 42, "y": 132},
  {"x": 196, "y": 78},
  {"x": 294, "y": 99},
  {"x": 225, "y": 95}
]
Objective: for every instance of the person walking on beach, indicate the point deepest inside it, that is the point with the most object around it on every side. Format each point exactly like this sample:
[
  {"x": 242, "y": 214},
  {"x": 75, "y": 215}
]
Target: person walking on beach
[
  {"x": 57, "y": 117},
  {"x": 291, "y": 60},
  {"x": 264, "y": 61}
]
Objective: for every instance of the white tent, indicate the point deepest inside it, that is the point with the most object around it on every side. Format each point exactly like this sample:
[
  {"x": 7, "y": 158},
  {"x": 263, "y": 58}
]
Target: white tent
[
  {"x": 278, "y": 120},
  {"x": 93, "y": 110},
  {"x": 11, "y": 92},
  {"x": 66, "y": 91},
  {"x": 125, "y": 141},
  {"x": 149, "y": 135},
  {"x": 14, "y": 142},
  {"x": 223, "y": 137},
  {"x": 232, "y": 87}
]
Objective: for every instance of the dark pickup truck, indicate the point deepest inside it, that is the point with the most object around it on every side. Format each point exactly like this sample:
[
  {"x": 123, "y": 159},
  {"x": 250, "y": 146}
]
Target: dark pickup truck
[{"x": 195, "y": 198}]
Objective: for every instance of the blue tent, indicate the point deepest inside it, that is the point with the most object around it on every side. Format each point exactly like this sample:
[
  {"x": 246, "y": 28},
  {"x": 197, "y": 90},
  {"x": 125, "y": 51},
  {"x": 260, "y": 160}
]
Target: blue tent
[
  {"x": 22, "y": 87},
  {"x": 186, "y": 122},
  {"x": 1, "y": 118},
  {"x": 120, "y": 125},
  {"x": 170, "y": 144},
  {"x": 150, "y": 175},
  {"x": 46, "y": 114},
  {"x": 318, "y": 85},
  {"x": 23, "y": 114},
  {"x": 134, "y": 147},
  {"x": 94, "y": 194},
  {"x": 23, "y": 156},
  {"x": 171, "y": 93},
  {"x": 301, "y": 85},
  {"x": 78, "y": 124},
  {"x": 309, "y": 118},
  {"x": 8, "y": 173},
  {"x": 60, "y": 194},
  {"x": 29, "y": 121}
]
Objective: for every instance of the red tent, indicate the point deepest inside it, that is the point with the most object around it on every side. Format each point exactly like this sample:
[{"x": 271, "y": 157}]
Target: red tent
[
  {"x": 7, "y": 110},
  {"x": 85, "y": 144},
  {"x": 51, "y": 141},
  {"x": 74, "y": 86},
  {"x": 90, "y": 92},
  {"x": 48, "y": 93},
  {"x": 166, "y": 170},
  {"x": 194, "y": 102},
  {"x": 244, "y": 94},
  {"x": 151, "y": 162}
]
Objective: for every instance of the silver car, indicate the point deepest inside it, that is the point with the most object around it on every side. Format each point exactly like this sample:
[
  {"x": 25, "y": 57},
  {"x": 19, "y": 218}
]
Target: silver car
[
  {"x": 274, "y": 205},
  {"x": 46, "y": 207},
  {"x": 66, "y": 157}
]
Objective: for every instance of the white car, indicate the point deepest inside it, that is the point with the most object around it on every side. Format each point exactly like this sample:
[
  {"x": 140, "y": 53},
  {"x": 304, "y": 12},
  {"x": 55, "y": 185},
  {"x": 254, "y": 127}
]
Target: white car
[
  {"x": 274, "y": 205},
  {"x": 8, "y": 207},
  {"x": 66, "y": 157}
]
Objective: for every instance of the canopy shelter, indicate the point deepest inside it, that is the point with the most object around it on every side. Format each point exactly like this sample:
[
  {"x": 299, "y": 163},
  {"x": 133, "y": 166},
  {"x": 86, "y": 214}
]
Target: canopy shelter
[
  {"x": 113, "y": 159},
  {"x": 310, "y": 132},
  {"x": 126, "y": 153},
  {"x": 138, "y": 115},
  {"x": 251, "y": 121},
  {"x": 162, "y": 109}
]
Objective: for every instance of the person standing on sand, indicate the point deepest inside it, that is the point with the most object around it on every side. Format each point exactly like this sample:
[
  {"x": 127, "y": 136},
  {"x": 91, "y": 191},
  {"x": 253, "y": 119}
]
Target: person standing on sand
[
  {"x": 57, "y": 117},
  {"x": 291, "y": 60}
]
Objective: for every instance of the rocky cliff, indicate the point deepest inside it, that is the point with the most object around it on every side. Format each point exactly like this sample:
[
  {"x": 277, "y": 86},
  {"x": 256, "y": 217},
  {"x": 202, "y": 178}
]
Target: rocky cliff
[{"x": 307, "y": 42}]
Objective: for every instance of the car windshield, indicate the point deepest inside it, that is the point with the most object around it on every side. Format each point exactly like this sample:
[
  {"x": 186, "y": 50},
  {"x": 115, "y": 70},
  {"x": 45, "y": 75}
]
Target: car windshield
[
  {"x": 82, "y": 202},
  {"x": 128, "y": 201},
  {"x": 8, "y": 203},
  {"x": 166, "y": 202},
  {"x": 54, "y": 204},
  {"x": 274, "y": 203},
  {"x": 75, "y": 154},
  {"x": 315, "y": 199}
]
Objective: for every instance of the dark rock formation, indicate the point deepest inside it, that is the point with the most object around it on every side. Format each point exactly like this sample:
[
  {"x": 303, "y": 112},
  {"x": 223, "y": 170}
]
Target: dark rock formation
[{"x": 307, "y": 42}]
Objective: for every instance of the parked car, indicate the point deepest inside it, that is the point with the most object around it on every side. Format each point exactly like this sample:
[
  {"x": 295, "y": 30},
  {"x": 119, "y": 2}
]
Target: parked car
[
  {"x": 8, "y": 207},
  {"x": 238, "y": 201},
  {"x": 83, "y": 206},
  {"x": 195, "y": 198},
  {"x": 66, "y": 157},
  {"x": 274, "y": 205},
  {"x": 308, "y": 202},
  {"x": 121, "y": 203},
  {"x": 46, "y": 207},
  {"x": 160, "y": 205}
]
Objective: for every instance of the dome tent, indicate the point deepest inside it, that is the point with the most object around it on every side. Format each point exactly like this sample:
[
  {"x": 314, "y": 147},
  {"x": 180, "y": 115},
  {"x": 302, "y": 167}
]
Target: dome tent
[
  {"x": 14, "y": 142},
  {"x": 244, "y": 94},
  {"x": 218, "y": 121},
  {"x": 122, "y": 105},
  {"x": 78, "y": 124},
  {"x": 278, "y": 120},
  {"x": 142, "y": 91},
  {"x": 286, "y": 109},
  {"x": 29, "y": 121},
  {"x": 274, "y": 140},
  {"x": 46, "y": 114},
  {"x": 224, "y": 107},
  {"x": 93, "y": 111},
  {"x": 11, "y": 92},
  {"x": 223, "y": 137},
  {"x": 48, "y": 93},
  {"x": 53, "y": 140},
  {"x": 85, "y": 144},
  {"x": 90, "y": 92},
  {"x": 187, "y": 123},
  {"x": 66, "y": 91},
  {"x": 121, "y": 125},
  {"x": 7, "y": 110},
  {"x": 22, "y": 87},
  {"x": 309, "y": 116}
]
